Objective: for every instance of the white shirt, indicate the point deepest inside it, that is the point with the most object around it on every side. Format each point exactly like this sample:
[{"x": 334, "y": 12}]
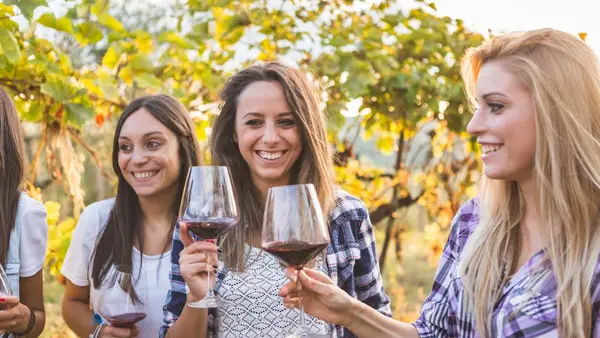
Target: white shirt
[
  {"x": 258, "y": 311},
  {"x": 34, "y": 236},
  {"x": 77, "y": 266}
]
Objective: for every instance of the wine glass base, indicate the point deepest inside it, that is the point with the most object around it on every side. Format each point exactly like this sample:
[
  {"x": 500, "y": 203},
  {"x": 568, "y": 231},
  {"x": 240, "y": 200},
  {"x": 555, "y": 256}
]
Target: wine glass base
[{"x": 210, "y": 303}]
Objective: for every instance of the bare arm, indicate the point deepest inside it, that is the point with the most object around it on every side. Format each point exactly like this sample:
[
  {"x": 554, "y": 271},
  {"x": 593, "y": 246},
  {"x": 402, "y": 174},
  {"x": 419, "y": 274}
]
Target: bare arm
[
  {"x": 16, "y": 316},
  {"x": 192, "y": 323},
  {"x": 76, "y": 309}
]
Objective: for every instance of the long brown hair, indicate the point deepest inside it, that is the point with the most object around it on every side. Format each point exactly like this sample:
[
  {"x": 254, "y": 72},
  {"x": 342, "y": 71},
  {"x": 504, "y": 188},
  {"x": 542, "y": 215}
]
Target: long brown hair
[
  {"x": 12, "y": 164},
  {"x": 316, "y": 157},
  {"x": 124, "y": 226},
  {"x": 562, "y": 74}
]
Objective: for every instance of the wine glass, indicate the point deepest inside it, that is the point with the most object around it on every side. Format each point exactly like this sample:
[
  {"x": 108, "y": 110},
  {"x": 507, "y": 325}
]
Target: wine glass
[
  {"x": 122, "y": 301},
  {"x": 294, "y": 231},
  {"x": 209, "y": 210},
  {"x": 5, "y": 289}
]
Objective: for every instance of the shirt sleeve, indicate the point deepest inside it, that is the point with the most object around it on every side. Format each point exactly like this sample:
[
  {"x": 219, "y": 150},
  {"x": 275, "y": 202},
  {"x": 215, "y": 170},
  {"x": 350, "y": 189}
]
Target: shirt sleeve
[
  {"x": 432, "y": 321},
  {"x": 34, "y": 238},
  {"x": 83, "y": 240},
  {"x": 177, "y": 295},
  {"x": 367, "y": 275}
]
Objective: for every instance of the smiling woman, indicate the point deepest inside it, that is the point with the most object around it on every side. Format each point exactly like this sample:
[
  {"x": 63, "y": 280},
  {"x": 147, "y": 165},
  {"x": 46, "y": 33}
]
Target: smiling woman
[
  {"x": 271, "y": 132},
  {"x": 153, "y": 148}
]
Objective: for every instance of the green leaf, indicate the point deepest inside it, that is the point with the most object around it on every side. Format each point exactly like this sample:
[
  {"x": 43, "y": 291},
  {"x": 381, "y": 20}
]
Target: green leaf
[
  {"x": 78, "y": 114},
  {"x": 148, "y": 81},
  {"x": 34, "y": 113},
  {"x": 177, "y": 40},
  {"x": 62, "y": 24},
  {"x": 88, "y": 33},
  {"x": 141, "y": 63},
  {"x": 59, "y": 90},
  {"x": 9, "y": 47},
  {"x": 26, "y": 6},
  {"x": 109, "y": 88}
]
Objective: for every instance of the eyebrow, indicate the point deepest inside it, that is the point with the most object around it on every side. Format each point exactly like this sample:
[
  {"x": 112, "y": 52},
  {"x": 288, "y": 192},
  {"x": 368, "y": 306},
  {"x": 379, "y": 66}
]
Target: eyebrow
[
  {"x": 255, "y": 114},
  {"x": 492, "y": 93},
  {"x": 146, "y": 135}
]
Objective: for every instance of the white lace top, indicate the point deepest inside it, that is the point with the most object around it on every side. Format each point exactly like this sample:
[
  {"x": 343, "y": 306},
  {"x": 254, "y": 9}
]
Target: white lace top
[{"x": 259, "y": 312}]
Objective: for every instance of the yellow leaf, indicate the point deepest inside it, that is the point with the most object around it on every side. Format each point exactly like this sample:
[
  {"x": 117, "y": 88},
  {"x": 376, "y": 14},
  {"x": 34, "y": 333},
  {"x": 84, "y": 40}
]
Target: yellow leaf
[{"x": 582, "y": 35}]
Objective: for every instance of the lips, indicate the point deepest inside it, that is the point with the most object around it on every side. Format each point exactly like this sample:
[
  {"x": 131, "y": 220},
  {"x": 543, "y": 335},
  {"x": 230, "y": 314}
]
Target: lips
[
  {"x": 145, "y": 175},
  {"x": 270, "y": 155}
]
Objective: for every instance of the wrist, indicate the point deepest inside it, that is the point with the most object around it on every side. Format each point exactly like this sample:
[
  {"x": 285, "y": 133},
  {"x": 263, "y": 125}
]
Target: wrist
[
  {"x": 350, "y": 316},
  {"x": 25, "y": 321}
]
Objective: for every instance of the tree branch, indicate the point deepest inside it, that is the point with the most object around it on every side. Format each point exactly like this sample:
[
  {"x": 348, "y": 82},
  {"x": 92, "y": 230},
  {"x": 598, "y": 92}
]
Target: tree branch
[
  {"x": 386, "y": 210},
  {"x": 92, "y": 152}
]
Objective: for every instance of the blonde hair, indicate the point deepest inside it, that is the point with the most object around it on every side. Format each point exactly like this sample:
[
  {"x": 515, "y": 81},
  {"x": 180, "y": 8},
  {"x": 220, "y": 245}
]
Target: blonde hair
[{"x": 562, "y": 75}]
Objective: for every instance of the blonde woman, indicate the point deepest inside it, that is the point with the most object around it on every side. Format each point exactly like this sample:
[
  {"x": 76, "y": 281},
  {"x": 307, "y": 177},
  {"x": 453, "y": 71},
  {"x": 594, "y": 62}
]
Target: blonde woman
[{"x": 522, "y": 259}]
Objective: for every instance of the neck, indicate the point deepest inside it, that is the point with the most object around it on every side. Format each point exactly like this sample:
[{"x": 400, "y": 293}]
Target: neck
[
  {"x": 263, "y": 186},
  {"x": 531, "y": 241},
  {"x": 156, "y": 210}
]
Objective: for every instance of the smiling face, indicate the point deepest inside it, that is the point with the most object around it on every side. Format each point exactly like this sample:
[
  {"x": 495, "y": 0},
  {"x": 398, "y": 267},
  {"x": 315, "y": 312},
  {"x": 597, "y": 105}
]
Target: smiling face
[
  {"x": 266, "y": 133},
  {"x": 504, "y": 124},
  {"x": 148, "y": 155}
]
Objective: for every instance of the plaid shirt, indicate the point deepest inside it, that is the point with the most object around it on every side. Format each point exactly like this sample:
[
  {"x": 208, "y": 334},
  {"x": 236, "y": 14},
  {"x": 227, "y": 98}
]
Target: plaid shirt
[
  {"x": 527, "y": 305},
  {"x": 351, "y": 260}
]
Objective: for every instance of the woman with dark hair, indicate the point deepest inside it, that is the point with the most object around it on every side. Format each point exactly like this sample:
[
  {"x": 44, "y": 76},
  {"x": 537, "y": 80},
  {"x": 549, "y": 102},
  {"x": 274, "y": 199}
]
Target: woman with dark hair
[
  {"x": 153, "y": 148},
  {"x": 23, "y": 234},
  {"x": 270, "y": 132}
]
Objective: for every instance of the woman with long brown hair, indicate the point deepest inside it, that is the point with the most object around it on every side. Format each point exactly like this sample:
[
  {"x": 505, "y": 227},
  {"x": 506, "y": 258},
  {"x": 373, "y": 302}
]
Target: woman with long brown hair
[
  {"x": 23, "y": 234},
  {"x": 523, "y": 258},
  {"x": 154, "y": 145},
  {"x": 270, "y": 132}
]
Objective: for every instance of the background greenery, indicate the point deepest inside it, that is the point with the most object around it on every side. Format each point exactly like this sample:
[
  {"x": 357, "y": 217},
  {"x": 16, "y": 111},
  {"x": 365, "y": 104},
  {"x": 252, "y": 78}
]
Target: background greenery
[{"x": 388, "y": 73}]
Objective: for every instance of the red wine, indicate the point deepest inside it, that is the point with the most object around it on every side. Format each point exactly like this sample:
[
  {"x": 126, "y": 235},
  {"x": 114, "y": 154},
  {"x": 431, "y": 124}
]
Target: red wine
[
  {"x": 295, "y": 254},
  {"x": 126, "y": 319},
  {"x": 210, "y": 228}
]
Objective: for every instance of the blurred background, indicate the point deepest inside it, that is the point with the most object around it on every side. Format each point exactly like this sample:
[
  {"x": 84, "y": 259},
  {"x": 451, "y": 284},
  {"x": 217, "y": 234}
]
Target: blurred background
[{"x": 388, "y": 73}]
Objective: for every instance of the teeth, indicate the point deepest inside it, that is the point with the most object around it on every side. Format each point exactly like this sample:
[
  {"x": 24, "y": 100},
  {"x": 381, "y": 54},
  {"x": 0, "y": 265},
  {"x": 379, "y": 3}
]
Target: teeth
[
  {"x": 487, "y": 148},
  {"x": 270, "y": 155},
  {"x": 145, "y": 174}
]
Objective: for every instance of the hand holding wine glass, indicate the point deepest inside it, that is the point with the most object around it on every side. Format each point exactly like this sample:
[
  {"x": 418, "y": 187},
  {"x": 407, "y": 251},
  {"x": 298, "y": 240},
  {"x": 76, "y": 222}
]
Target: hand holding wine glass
[
  {"x": 209, "y": 210},
  {"x": 122, "y": 301},
  {"x": 294, "y": 232},
  {"x": 196, "y": 261},
  {"x": 14, "y": 316}
]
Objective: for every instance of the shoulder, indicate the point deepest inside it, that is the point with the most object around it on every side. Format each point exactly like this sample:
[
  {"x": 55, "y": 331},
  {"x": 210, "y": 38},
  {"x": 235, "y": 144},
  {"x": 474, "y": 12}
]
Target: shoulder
[
  {"x": 347, "y": 208},
  {"x": 94, "y": 216},
  {"x": 467, "y": 218},
  {"x": 28, "y": 204}
]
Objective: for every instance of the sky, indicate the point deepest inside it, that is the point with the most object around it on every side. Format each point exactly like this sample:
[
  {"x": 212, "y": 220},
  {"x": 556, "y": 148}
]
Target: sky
[{"x": 572, "y": 16}]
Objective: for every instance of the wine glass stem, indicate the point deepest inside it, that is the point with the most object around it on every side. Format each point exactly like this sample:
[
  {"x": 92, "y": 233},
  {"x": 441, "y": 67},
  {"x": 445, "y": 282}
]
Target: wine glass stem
[
  {"x": 210, "y": 292},
  {"x": 299, "y": 286}
]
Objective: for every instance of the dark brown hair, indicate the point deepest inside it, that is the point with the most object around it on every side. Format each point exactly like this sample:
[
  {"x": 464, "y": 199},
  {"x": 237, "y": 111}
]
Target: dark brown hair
[
  {"x": 12, "y": 164},
  {"x": 316, "y": 158},
  {"x": 124, "y": 226}
]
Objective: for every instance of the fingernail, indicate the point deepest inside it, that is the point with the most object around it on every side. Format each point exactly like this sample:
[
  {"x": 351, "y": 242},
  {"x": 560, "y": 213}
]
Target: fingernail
[
  {"x": 216, "y": 270},
  {"x": 2, "y": 300},
  {"x": 294, "y": 278},
  {"x": 215, "y": 266}
]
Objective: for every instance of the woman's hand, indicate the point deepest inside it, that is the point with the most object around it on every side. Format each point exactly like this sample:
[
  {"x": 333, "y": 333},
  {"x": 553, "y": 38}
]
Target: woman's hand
[
  {"x": 321, "y": 298},
  {"x": 196, "y": 261},
  {"x": 14, "y": 316},
  {"x": 119, "y": 332}
]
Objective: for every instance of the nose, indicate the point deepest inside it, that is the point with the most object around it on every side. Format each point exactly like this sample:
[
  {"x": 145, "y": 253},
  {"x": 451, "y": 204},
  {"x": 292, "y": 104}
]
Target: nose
[
  {"x": 139, "y": 157},
  {"x": 271, "y": 134},
  {"x": 477, "y": 124}
]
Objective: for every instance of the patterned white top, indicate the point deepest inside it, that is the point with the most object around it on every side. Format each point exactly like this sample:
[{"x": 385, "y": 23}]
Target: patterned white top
[{"x": 259, "y": 312}]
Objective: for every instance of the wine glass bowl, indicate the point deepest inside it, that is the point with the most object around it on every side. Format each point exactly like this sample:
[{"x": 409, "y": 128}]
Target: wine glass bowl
[{"x": 121, "y": 303}]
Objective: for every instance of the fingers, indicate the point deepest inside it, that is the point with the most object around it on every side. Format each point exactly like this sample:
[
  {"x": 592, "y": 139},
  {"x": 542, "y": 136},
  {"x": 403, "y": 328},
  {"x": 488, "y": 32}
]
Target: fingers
[
  {"x": 185, "y": 237},
  {"x": 192, "y": 270},
  {"x": 9, "y": 301},
  {"x": 119, "y": 332},
  {"x": 317, "y": 275},
  {"x": 315, "y": 285},
  {"x": 200, "y": 246},
  {"x": 201, "y": 257},
  {"x": 287, "y": 289},
  {"x": 291, "y": 303}
]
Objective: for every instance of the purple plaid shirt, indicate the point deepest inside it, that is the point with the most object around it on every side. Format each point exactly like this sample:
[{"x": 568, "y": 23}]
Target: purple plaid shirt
[{"x": 521, "y": 310}]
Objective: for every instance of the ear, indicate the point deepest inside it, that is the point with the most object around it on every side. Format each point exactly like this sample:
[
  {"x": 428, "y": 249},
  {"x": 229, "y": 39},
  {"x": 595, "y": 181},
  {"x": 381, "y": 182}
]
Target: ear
[{"x": 235, "y": 138}]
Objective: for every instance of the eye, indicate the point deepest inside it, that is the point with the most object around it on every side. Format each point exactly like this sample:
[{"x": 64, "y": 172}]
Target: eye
[
  {"x": 254, "y": 122},
  {"x": 287, "y": 122},
  {"x": 495, "y": 107},
  {"x": 153, "y": 144},
  {"x": 125, "y": 148}
]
